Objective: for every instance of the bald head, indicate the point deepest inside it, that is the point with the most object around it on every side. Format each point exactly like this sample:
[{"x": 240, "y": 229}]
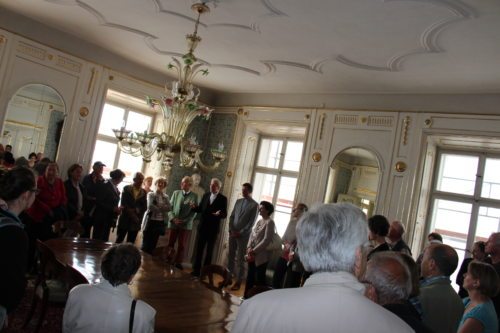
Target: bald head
[
  {"x": 493, "y": 244},
  {"x": 396, "y": 231},
  {"x": 439, "y": 259}
]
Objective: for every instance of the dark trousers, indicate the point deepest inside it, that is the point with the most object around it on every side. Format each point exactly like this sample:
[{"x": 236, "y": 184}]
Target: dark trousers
[
  {"x": 131, "y": 235},
  {"x": 256, "y": 276},
  {"x": 101, "y": 231},
  {"x": 284, "y": 276},
  {"x": 205, "y": 240},
  {"x": 87, "y": 226},
  {"x": 279, "y": 273},
  {"x": 151, "y": 234}
]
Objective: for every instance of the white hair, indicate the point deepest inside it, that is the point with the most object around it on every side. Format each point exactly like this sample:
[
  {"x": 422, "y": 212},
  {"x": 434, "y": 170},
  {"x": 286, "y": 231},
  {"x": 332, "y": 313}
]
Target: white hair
[
  {"x": 216, "y": 180},
  {"x": 328, "y": 235},
  {"x": 390, "y": 276}
]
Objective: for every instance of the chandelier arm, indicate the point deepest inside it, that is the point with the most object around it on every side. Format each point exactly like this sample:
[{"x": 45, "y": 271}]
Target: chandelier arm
[
  {"x": 202, "y": 165},
  {"x": 127, "y": 149}
]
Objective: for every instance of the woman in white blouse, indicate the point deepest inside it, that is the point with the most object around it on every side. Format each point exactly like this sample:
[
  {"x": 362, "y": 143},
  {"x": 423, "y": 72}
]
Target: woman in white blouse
[
  {"x": 108, "y": 306},
  {"x": 154, "y": 219},
  {"x": 257, "y": 254}
]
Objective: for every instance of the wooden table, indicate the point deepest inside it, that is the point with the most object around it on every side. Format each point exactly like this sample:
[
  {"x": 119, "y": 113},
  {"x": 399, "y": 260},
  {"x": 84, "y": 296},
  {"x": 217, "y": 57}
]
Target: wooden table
[{"x": 182, "y": 304}]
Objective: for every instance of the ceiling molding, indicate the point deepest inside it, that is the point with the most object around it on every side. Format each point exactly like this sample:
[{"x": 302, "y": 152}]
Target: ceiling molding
[
  {"x": 274, "y": 11},
  {"x": 428, "y": 38}
]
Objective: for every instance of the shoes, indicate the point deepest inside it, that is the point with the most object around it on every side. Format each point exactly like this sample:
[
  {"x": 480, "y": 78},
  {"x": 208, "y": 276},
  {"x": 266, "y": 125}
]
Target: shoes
[
  {"x": 195, "y": 274},
  {"x": 236, "y": 286},
  {"x": 179, "y": 266}
]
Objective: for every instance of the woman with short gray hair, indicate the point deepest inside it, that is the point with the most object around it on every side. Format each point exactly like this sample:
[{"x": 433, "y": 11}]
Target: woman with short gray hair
[{"x": 108, "y": 306}]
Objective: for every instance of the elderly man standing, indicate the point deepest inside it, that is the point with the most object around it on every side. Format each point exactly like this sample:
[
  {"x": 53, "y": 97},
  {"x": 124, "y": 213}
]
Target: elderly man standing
[
  {"x": 493, "y": 249},
  {"x": 212, "y": 208},
  {"x": 395, "y": 235},
  {"x": 390, "y": 285},
  {"x": 332, "y": 299},
  {"x": 241, "y": 222},
  {"x": 180, "y": 219},
  {"x": 134, "y": 205},
  {"x": 441, "y": 305}
]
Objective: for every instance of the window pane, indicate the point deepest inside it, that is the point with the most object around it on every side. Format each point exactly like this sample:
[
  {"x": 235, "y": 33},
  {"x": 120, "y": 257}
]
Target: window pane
[
  {"x": 451, "y": 219},
  {"x": 112, "y": 118},
  {"x": 105, "y": 152},
  {"x": 457, "y": 174},
  {"x": 491, "y": 179},
  {"x": 130, "y": 165},
  {"x": 138, "y": 122},
  {"x": 269, "y": 154},
  {"x": 293, "y": 156},
  {"x": 487, "y": 223},
  {"x": 263, "y": 188},
  {"x": 284, "y": 203}
]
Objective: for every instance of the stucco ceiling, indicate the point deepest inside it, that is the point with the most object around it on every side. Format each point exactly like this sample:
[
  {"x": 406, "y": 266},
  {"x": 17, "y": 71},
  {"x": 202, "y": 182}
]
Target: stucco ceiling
[{"x": 293, "y": 46}]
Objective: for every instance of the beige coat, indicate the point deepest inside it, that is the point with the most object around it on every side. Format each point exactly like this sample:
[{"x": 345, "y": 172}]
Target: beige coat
[{"x": 260, "y": 238}]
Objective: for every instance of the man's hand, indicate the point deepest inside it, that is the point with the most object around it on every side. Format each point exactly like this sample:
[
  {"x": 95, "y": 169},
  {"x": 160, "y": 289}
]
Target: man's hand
[{"x": 217, "y": 213}]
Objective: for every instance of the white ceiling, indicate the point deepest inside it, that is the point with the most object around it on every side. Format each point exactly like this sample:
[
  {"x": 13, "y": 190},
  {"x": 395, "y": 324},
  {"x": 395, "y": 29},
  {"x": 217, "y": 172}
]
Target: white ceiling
[{"x": 293, "y": 46}]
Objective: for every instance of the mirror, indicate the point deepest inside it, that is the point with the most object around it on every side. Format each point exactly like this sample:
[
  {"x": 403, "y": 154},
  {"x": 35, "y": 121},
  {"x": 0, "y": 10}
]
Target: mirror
[
  {"x": 34, "y": 121},
  {"x": 354, "y": 177}
]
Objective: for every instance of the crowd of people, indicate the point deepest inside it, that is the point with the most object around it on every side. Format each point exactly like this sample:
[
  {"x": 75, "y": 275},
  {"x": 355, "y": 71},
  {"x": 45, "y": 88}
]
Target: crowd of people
[{"x": 335, "y": 269}]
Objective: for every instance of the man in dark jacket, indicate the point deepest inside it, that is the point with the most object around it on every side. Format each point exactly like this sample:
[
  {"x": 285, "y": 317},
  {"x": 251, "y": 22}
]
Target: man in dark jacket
[
  {"x": 134, "y": 205},
  {"x": 212, "y": 208}
]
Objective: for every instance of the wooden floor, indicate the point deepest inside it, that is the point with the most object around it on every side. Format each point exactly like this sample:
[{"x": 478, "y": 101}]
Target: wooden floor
[
  {"x": 162, "y": 242},
  {"x": 183, "y": 304}
]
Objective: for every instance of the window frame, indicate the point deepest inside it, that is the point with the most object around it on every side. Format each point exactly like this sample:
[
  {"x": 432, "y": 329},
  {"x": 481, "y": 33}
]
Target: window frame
[
  {"x": 112, "y": 139},
  {"x": 278, "y": 172},
  {"x": 475, "y": 200}
]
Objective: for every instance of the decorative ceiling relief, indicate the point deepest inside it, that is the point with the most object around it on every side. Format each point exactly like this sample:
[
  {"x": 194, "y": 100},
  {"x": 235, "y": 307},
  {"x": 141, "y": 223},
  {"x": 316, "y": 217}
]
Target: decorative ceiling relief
[{"x": 336, "y": 46}]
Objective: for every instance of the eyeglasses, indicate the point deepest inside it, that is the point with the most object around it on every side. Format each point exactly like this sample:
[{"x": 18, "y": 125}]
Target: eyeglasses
[{"x": 35, "y": 190}]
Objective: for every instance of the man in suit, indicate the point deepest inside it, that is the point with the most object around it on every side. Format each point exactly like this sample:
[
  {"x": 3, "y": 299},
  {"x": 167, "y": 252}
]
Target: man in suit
[
  {"x": 134, "y": 205},
  {"x": 107, "y": 209},
  {"x": 91, "y": 183},
  {"x": 180, "y": 219},
  {"x": 241, "y": 222},
  {"x": 395, "y": 236},
  {"x": 212, "y": 208}
]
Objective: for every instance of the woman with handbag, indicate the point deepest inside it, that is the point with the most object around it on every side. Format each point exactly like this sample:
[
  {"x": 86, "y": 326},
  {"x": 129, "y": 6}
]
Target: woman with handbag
[
  {"x": 154, "y": 219},
  {"x": 258, "y": 254}
]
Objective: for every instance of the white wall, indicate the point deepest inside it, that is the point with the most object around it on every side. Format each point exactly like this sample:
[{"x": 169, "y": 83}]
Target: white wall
[{"x": 395, "y": 137}]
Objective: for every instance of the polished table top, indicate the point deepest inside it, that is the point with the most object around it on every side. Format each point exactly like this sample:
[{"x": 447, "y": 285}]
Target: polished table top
[{"x": 182, "y": 304}]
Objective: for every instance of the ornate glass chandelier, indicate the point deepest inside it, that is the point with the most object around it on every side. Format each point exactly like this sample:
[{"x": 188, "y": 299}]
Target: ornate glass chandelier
[{"x": 179, "y": 108}]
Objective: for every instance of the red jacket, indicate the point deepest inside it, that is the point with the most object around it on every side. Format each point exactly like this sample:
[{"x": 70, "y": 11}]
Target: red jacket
[{"x": 49, "y": 197}]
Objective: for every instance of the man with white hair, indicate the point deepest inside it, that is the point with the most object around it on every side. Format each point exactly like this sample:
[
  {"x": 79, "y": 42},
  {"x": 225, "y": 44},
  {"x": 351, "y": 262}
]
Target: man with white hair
[
  {"x": 390, "y": 285},
  {"x": 395, "y": 236},
  {"x": 212, "y": 209},
  {"x": 332, "y": 299}
]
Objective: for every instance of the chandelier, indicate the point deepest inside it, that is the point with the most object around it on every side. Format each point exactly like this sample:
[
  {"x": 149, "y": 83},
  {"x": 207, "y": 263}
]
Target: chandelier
[{"x": 179, "y": 107}]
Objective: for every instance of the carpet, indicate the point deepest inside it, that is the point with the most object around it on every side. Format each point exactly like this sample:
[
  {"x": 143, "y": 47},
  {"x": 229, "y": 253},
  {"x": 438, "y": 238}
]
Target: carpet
[{"x": 52, "y": 322}]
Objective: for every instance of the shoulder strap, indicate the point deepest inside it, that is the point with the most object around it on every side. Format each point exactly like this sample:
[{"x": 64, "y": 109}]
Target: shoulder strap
[
  {"x": 7, "y": 221},
  {"x": 132, "y": 313}
]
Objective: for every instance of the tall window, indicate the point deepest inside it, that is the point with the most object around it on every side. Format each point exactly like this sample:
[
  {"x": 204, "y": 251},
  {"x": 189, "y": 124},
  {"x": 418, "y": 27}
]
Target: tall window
[
  {"x": 275, "y": 176},
  {"x": 106, "y": 147},
  {"x": 465, "y": 205}
]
